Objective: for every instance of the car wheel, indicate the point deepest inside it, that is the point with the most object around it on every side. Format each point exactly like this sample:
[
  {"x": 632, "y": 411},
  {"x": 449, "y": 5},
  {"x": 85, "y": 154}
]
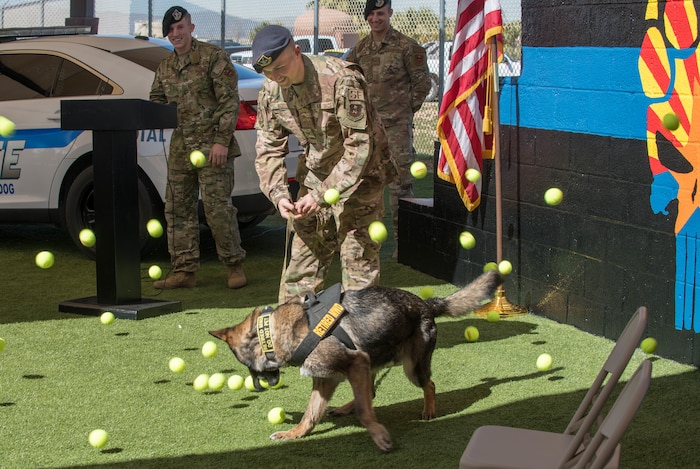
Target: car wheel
[
  {"x": 433, "y": 93},
  {"x": 79, "y": 212}
]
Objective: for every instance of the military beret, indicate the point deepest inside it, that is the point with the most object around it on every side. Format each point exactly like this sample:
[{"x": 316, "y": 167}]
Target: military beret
[
  {"x": 173, "y": 15},
  {"x": 372, "y": 5},
  {"x": 268, "y": 44}
]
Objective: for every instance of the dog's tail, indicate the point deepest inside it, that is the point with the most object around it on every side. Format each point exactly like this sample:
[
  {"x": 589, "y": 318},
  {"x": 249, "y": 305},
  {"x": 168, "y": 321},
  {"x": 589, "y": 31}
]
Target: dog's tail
[{"x": 468, "y": 298}]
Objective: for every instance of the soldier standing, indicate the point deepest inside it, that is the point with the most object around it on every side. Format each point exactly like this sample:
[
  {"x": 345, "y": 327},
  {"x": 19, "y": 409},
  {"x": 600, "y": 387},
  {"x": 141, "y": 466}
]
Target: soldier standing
[
  {"x": 201, "y": 80},
  {"x": 396, "y": 70},
  {"x": 323, "y": 102}
]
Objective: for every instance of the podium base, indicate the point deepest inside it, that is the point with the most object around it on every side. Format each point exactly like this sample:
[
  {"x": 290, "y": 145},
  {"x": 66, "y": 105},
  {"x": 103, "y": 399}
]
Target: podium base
[
  {"x": 501, "y": 304},
  {"x": 140, "y": 309}
]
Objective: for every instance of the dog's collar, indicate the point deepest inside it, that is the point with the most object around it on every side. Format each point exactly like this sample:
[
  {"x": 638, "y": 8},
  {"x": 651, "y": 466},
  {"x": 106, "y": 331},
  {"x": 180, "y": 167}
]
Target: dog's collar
[
  {"x": 264, "y": 333},
  {"x": 324, "y": 312}
]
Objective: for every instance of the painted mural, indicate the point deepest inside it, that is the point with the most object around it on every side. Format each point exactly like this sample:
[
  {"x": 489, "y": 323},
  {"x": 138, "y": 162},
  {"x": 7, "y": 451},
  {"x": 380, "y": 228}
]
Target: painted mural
[{"x": 669, "y": 69}]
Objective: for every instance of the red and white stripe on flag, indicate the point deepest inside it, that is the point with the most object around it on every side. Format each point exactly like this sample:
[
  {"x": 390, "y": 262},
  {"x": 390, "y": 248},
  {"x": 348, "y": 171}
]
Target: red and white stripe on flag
[{"x": 460, "y": 121}]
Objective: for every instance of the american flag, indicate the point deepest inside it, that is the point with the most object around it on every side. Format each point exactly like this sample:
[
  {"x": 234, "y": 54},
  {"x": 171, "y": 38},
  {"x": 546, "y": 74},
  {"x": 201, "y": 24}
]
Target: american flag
[{"x": 464, "y": 138}]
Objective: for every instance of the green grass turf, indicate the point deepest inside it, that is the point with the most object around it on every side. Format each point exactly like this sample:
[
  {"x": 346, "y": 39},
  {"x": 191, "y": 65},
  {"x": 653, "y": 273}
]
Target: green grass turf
[{"x": 63, "y": 375}]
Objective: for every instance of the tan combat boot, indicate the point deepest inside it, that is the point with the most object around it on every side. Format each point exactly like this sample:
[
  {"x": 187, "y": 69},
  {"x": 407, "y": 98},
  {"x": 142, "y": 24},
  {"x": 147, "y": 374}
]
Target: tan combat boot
[
  {"x": 177, "y": 280},
  {"x": 236, "y": 276}
]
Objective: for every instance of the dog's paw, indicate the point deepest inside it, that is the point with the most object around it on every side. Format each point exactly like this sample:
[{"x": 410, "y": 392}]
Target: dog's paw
[
  {"x": 381, "y": 437},
  {"x": 282, "y": 436}
]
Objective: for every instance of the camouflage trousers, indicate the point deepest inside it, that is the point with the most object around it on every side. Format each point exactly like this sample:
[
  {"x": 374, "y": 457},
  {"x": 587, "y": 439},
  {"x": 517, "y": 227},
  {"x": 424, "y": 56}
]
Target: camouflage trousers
[
  {"x": 181, "y": 215},
  {"x": 343, "y": 228},
  {"x": 400, "y": 139}
]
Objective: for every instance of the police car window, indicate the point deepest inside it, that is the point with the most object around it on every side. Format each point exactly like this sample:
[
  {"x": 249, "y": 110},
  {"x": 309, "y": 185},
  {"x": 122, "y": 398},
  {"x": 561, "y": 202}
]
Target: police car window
[
  {"x": 74, "y": 80},
  {"x": 27, "y": 76},
  {"x": 32, "y": 76},
  {"x": 149, "y": 57}
]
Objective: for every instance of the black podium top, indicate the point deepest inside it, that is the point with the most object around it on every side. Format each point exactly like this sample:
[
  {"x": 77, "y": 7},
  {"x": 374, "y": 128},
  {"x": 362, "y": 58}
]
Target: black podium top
[{"x": 116, "y": 114}]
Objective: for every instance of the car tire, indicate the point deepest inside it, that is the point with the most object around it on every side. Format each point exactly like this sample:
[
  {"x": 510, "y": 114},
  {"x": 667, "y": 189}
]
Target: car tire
[
  {"x": 434, "y": 88},
  {"x": 79, "y": 212}
]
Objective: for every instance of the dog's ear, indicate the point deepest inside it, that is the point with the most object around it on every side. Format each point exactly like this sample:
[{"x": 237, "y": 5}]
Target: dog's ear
[{"x": 221, "y": 333}]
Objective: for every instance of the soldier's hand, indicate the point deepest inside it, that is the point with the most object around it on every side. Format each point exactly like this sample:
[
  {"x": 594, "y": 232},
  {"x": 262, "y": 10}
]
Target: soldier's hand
[
  {"x": 306, "y": 206},
  {"x": 286, "y": 208},
  {"x": 218, "y": 154}
]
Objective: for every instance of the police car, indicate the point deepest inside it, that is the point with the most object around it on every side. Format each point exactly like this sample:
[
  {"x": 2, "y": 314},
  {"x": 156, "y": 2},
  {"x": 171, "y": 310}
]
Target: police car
[{"x": 46, "y": 173}]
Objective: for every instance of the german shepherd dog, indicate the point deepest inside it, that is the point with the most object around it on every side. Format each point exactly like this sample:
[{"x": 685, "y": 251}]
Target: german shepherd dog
[{"x": 387, "y": 326}]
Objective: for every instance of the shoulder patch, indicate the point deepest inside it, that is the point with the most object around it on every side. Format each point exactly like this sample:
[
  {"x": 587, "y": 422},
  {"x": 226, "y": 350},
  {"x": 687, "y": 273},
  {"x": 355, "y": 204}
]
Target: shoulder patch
[{"x": 356, "y": 110}]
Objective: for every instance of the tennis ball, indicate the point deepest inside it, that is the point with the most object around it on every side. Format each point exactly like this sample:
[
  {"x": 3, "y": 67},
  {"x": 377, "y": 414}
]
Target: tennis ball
[
  {"x": 377, "y": 231},
  {"x": 471, "y": 333},
  {"x": 155, "y": 272},
  {"x": 235, "y": 382},
  {"x": 249, "y": 384},
  {"x": 7, "y": 127},
  {"x": 107, "y": 318},
  {"x": 266, "y": 385},
  {"x": 553, "y": 196},
  {"x": 472, "y": 175},
  {"x": 98, "y": 438},
  {"x": 493, "y": 316},
  {"x": 217, "y": 381},
  {"x": 87, "y": 237},
  {"x": 671, "y": 121},
  {"x": 419, "y": 170},
  {"x": 154, "y": 228},
  {"x": 197, "y": 159},
  {"x": 489, "y": 266},
  {"x": 201, "y": 383},
  {"x": 176, "y": 365},
  {"x": 649, "y": 345},
  {"x": 426, "y": 292},
  {"x": 209, "y": 349},
  {"x": 276, "y": 416},
  {"x": 505, "y": 267},
  {"x": 467, "y": 240},
  {"x": 544, "y": 362},
  {"x": 331, "y": 196},
  {"x": 2, "y": 344},
  {"x": 44, "y": 259}
]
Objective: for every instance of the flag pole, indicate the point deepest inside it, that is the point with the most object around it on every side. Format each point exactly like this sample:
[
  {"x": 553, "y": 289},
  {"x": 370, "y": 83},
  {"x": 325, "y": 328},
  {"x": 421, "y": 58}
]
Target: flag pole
[{"x": 500, "y": 303}]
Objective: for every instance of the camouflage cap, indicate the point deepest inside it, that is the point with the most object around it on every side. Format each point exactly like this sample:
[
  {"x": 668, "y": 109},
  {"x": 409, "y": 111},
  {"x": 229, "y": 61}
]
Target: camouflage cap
[
  {"x": 173, "y": 15},
  {"x": 372, "y": 5},
  {"x": 268, "y": 44}
]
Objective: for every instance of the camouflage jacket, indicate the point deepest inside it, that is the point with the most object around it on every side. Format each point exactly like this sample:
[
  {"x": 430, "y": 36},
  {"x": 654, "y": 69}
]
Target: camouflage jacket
[
  {"x": 343, "y": 139},
  {"x": 204, "y": 84},
  {"x": 397, "y": 73}
]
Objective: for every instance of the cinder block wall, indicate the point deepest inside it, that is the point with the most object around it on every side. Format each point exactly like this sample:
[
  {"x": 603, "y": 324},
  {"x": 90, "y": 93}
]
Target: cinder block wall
[{"x": 577, "y": 118}]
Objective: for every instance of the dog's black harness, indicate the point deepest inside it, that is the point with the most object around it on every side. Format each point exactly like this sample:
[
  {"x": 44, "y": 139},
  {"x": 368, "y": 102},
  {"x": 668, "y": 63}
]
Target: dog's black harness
[{"x": 324, "y": 312}]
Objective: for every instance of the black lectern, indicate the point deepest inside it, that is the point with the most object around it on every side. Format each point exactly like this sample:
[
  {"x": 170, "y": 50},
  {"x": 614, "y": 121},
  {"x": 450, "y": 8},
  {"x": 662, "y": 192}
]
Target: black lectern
[{"x": 115, "y": 124}]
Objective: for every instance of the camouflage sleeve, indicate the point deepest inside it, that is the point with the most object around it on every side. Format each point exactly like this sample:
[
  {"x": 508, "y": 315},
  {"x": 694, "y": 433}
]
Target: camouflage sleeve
[
  {"x": 271, "y": 148},
  {"x": 417, "y": 66},
  {"x": 351, "y": 110},
  {"x": 225, "y": 83},
  {"x": 157, "y": 93}
]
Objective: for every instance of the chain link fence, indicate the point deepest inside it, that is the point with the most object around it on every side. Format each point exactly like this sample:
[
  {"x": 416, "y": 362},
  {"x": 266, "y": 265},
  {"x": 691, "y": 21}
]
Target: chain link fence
[{"x": 330, "y": 24}]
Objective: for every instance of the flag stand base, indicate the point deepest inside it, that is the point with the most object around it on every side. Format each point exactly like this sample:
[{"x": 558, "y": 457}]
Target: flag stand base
[{"x": 501, "y": 304}]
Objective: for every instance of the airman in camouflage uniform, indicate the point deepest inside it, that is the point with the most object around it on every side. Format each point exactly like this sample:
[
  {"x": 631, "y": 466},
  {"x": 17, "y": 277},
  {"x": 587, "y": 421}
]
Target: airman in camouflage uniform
[
  {"x": 323, "y": 102},
  {"x": 396, "y": 70},
  {"x": 201, "y": 80}
]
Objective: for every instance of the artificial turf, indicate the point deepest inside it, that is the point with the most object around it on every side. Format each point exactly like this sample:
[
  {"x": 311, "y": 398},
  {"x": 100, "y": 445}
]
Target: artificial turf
[{"x": 61, "y": 379}]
